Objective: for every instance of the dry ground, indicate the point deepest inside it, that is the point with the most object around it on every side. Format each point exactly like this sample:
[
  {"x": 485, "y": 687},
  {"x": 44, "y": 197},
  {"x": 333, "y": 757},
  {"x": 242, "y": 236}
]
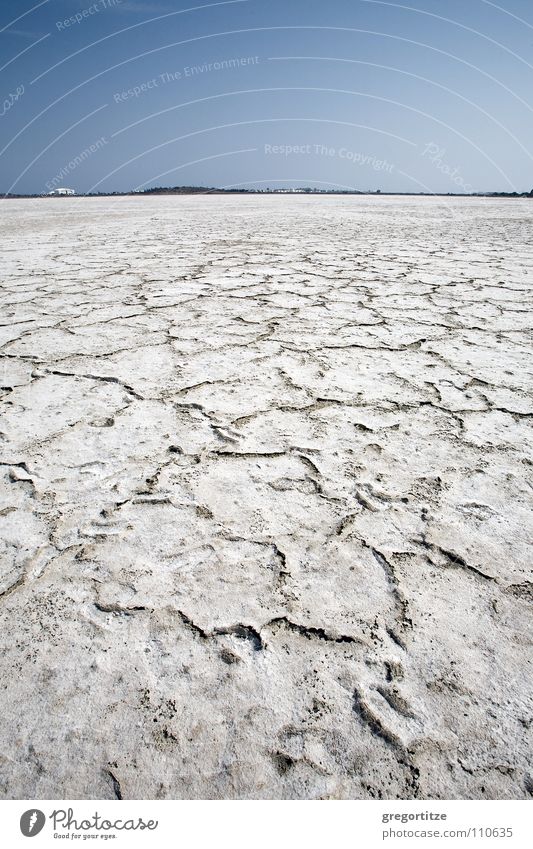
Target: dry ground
[{"x": 267, "y": 491}]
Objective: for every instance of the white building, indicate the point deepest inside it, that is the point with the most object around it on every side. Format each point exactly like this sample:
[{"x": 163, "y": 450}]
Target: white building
[{"x": 61, "y": 192}]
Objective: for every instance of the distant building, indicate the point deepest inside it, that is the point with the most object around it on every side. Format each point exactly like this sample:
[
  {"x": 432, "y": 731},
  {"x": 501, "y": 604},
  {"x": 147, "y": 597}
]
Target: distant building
[{"x": 61, "y": 192}]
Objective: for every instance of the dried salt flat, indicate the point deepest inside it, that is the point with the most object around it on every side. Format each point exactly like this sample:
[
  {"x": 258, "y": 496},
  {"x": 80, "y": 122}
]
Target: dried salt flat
[{"x": 266, "y": 498}]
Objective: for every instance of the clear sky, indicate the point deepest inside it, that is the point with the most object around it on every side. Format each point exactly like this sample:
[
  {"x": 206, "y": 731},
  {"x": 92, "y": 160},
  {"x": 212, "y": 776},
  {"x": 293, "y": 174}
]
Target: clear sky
[{"x": 425, "y": 95}]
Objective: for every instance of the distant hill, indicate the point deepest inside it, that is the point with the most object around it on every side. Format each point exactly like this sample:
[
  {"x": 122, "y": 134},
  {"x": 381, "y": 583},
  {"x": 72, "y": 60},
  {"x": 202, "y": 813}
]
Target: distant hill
[{"x": 203, "y": 190}]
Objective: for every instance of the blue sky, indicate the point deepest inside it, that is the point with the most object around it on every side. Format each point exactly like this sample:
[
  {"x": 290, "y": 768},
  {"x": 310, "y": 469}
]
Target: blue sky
[{"x": 426, "y": 95}]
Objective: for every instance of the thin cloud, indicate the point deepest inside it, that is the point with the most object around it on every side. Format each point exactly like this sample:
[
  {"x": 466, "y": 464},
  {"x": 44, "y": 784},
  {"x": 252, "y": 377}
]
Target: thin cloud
[
  {"x": 25, "y": 33},
  {"x": 141, "y": 8},
  {"x": 134, "y": 6}
]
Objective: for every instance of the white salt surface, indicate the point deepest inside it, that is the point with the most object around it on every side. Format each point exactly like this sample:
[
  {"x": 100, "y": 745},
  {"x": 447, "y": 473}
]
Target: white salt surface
[{"x": 267, "y": 491}]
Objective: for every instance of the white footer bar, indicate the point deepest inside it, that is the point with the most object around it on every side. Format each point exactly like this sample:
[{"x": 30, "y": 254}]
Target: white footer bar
[{"x": 273, "y": 824}]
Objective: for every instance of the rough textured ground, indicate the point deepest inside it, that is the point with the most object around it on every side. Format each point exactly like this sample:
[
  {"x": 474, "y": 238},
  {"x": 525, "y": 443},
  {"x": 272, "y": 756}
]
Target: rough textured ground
[{"x": 266, "y": 498}]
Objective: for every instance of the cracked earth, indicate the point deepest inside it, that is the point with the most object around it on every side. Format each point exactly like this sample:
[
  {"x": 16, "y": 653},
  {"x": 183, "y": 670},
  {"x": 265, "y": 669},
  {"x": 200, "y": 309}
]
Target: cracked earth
[{"x": 267, "y": 498}]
